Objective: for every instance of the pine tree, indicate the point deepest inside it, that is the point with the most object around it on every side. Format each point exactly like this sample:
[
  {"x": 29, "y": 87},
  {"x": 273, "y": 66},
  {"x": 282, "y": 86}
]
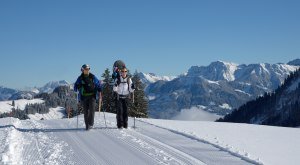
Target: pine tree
[
  {"x": 140, "y": 105},
  {"x": 108, "y": 101},
  {"x": 13, "y": 103}
]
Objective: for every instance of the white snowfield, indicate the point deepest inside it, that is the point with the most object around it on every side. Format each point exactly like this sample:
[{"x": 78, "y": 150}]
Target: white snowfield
[
  {"x": 58, "y": 141},
  {"x": 6, "y": 106}
]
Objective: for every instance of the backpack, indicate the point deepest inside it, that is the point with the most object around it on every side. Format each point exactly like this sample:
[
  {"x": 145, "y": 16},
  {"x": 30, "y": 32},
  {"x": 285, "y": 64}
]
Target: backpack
[
  {"x": 118, "y": 65},
  {"x": 128, "y": 79},
  {"x": 88, "y": 83}
]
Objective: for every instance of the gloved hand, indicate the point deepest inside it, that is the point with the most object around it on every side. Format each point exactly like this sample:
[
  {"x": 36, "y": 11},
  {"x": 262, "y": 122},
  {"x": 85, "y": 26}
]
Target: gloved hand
[
  {"x": 114, "y": 75},
  {"x": 132, "y": 86},
  {"x": 117, "y": 83},
  {"x": 79, "y": 103}
]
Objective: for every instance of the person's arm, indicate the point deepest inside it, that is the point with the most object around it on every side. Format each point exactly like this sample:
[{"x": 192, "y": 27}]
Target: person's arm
[
  {"x": 98, "y": 84},
  {"x": 131, "y": 86},
  {"x": 77, "y": 84},
  {"x": 115, "y": 88}
]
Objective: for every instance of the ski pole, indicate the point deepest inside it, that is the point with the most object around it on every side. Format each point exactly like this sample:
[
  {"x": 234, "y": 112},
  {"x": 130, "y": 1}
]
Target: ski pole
[
  {"x": 133, "y": 97},
  {"x": 104, "y": 119},
  {"x": 78, "y": 106},
  {"x": 100, "y": 104},
  {"x": 134, "y": 122}
]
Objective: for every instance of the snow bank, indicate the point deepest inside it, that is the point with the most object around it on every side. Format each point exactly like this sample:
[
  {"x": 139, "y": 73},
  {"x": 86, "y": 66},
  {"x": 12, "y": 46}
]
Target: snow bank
[{"x": 266, "y": 144}]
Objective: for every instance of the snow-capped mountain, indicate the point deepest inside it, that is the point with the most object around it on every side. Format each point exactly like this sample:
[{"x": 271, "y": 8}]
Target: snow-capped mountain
[
  {"x": 216, "y": 71},
  {"x": 23, "y": 95},
  {"x": 278, "y": 108},
  {"x": 148, "y": 78},
  {"x": 218, "y": 88},
  {"x": 6, "y": 93},
  {"x": 49, "y": 87},
  {"x": 28, "y": 92}
]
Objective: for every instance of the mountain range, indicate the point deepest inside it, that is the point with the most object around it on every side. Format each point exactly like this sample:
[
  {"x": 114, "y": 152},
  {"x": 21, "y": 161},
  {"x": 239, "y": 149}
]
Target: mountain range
[
  {"x": 279, "y": 108},
  {"x": 29, "y": 93},
  {"x": 218, "y": 88}
]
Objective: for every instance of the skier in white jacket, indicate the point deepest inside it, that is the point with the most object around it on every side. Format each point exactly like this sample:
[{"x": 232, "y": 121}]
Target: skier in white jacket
[{"x": 123, "y": 88}]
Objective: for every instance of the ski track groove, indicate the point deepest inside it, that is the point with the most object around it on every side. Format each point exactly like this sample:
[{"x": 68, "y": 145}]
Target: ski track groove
[
  {"x": 247, "y": 160},
  {"x": 94, "y": 157},
  {"x": 163, "y": 153},
  {"x": 3, "y": 137},
  {"x": 36, "y": 143},
  {"x": 173, "y": 152},
  {"x": 108, "y": 135},
  {"x": 40, "y": 143},
  {"x": 129, "y": 142},
  {"x": 47, "y": 151},
  {"x": 134, "y": 147}
]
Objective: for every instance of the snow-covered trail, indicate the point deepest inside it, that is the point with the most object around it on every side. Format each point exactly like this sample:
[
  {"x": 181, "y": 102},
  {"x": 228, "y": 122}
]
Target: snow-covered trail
[{"x": 60, "y": 142}]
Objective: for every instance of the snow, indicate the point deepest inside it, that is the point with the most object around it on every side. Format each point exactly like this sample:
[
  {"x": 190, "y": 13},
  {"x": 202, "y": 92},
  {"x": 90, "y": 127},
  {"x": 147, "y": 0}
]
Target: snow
[
  {"x": 213, "y": 82},
  {"x": 54, "y": 113},
  {"x": 6, "y": 106},
  {"x": 151, "y": 97},
  {"x": 153, "y": 141},
  {"x": 196, "y": 114},
  {"x": 152, "y": 78},
  {"x": 225, "y": 106},
  {"x": 230, "y": 70},
  {"x": 263, "y": 66},
  {"x": 13, "y": 156},
  {"x": 265, "y": 144},
  {"x": 237, "y": 90}
]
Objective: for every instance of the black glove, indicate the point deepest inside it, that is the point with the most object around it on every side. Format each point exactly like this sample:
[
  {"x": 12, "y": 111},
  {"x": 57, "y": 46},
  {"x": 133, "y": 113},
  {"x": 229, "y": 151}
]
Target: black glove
[
  {"x": 132, "y": 86},
  {"x": 117, "y": 83},
  {"x": 114, "y": 75}
]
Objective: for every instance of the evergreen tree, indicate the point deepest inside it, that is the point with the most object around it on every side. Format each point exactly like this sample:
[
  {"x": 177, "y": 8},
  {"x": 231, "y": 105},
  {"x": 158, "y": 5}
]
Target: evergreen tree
[
  {"x": 13, "y": 103},
  {"x": 140, "y": 105},
  {"x": 108, "y": 98}
]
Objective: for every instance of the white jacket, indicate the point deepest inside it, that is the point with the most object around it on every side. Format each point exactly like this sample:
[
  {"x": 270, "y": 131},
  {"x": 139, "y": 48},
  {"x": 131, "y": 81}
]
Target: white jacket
[{"x": 122, "y": 88}]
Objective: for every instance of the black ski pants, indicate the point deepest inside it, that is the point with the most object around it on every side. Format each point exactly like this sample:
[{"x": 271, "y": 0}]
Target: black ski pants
[
  {"x": 89, "y": 105},
  {"x": 122, "y": 112}
]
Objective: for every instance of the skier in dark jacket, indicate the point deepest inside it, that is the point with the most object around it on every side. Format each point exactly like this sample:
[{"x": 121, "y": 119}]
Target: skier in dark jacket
[
  {"x": 123, "y": 88},
  {"x": 88, "y": 85}
]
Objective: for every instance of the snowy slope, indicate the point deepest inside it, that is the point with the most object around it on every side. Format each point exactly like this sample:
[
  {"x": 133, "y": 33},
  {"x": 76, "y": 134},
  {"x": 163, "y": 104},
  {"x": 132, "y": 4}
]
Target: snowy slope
[
  {"x": 152, "y": 142},
  {"x": 6, "y": 106},
  {"x": 149, "y": 78},
  {"x": 54, "y": 113},
  {"x": 265, "y": 144}
]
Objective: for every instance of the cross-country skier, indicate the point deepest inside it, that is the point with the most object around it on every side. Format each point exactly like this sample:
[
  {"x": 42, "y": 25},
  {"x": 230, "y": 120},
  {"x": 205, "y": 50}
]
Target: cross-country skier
[
  {"x": 88, "y": 85},
  {"x": 123, "y": 87}
]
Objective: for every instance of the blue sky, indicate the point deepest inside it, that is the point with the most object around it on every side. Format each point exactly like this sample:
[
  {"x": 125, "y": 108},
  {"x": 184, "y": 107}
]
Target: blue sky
[{"x": 41, "y": 41}]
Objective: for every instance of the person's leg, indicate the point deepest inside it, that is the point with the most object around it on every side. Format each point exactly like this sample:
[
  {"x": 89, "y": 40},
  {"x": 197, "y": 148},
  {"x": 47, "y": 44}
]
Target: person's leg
[
  {"x": 119, "y": 113},
  {"x": 85, "y": 106},
  {"x": 92, "y": 106},
  {"x": 125, "y": 112}
]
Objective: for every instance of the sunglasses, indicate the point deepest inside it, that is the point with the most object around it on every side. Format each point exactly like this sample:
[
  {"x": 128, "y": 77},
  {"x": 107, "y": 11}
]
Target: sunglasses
[{"x": 124, "y": 71}]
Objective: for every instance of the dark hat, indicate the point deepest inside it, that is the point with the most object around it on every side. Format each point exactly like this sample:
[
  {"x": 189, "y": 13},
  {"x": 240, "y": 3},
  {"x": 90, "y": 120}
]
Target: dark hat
[{"x": 85, "y": 66}]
